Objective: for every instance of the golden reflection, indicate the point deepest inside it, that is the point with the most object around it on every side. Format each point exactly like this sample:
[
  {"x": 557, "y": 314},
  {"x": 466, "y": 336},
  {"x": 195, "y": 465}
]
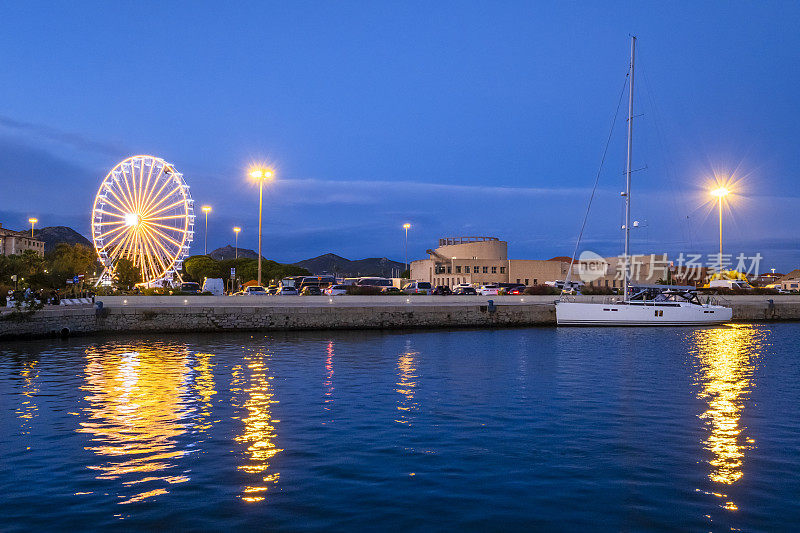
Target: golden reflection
[
  {"x": 259, "y": 431},
  {"x": 26, "y": 410},
  {"x": 204, "y": 385},
  {"x": 406, "y": 384},
  {"x": 725, "y": 359},
  {"x": 328, "y": 383},
  {"x": 136, "y": 397}
]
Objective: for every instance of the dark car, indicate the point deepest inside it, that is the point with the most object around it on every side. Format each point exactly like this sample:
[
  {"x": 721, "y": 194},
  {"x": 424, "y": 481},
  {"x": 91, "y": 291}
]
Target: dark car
[
  {"x": 442, "y": 290},
  {"x": 190, "y": 287},
  {"x": 465, "y": 290},
  {"x": 391, "y": 290},
  {"x": 519, "y": 289},
  {"x": 311, "y": 290}
]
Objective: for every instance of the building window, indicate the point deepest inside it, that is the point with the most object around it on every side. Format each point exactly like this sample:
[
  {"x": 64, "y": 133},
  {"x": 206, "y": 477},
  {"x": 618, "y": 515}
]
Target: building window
[
  {"x": 502, "y": 270},
  {"x": 517, "y": 280},
  {"x": 458, "y": 270},
  {"x": 526, "y": 281},
  {"x": 449, "y": 270},
  {"x": 466, "y": 270},
  {"x": 494, "y": 270},
  {"x": 485, "y": 270},
  {"x": 606, "y": 283},
  {"x": 535, "y": 281},
  {"x": 476, "y": 269}
]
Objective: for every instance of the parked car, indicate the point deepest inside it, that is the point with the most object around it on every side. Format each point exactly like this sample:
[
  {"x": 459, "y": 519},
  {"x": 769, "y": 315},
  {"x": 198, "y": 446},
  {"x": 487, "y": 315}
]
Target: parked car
[
  {"x": 336, "y": 290},
  {"x": 490, "y": 289},
  {"x": 288, "y": 291},
  {"x": 214, "y": 285},
  {"x": 391, "y": 290},
  {"x": 442, "y": 290},
  {"x": 272, "y": 289},
  {"x": 374, "y": 282},
  {"x": 519, "y": 289},
  {"x": 254, "y": 290},
  {"x": 190, "y": 287},
  {"x": 311, "y": 290},
  {"x": 418, "y": 287},
  {"x": 464, "y": 290}
]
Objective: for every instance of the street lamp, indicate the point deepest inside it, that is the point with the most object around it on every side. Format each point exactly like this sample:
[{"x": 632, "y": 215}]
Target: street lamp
[
  {"x": 33, "y": 221},
  {"x": 406, "y": 226},
  {"x": 206, "y": 209},
  {"x": 260, "y": 174},
  {"x": 236, "y": 230},
  {"x": 721, "y": 193}
]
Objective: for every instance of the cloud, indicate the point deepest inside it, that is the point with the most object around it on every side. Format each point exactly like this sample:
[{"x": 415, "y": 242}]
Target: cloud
[{"x": 49, "y": 133}]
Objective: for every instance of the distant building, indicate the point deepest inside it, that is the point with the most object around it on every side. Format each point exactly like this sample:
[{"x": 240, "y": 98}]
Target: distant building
[
  {"x": 481, "y": 260},
  {"x": 15, "y": 242},
  {"x": 791, "y": 281}
]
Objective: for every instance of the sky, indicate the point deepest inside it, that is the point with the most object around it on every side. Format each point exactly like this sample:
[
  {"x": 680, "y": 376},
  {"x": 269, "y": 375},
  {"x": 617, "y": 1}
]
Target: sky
[{"x": 461, "y": 118}]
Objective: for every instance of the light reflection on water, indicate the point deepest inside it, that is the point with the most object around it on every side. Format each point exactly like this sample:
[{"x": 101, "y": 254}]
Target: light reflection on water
[
  {"x": 725, "y": 360},
  {"x": 26, "y": 410},
  {"x": 134, "y": 415},
  {"x": 406, "y": 384},
  {"x": 253, "y": 392}
]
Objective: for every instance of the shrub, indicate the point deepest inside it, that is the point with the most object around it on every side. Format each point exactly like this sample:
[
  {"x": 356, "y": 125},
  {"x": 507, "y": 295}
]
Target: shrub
[
  {"x": 363, "y": 290},
  {"x": 542, "y": 290},
  {"x": 596, "y": 291}
]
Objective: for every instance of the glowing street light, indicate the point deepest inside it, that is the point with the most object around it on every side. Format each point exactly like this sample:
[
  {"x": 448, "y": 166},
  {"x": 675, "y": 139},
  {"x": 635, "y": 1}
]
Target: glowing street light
[
  {"x": 206, "y": 209},
  {"x": 236, "y": 230},
  {"x": 721, "y": 193},
  {"x": 33, "y": 221},
  {"x": 262, "y": 175},
  {"x": 406, "y": 227}
]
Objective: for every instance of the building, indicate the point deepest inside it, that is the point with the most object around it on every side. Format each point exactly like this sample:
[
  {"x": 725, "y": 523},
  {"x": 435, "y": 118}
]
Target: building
[
  {"x": 482, "y": 260},
  {"x": 15, "y": 242},
  {"x": 790, "y": 282}
]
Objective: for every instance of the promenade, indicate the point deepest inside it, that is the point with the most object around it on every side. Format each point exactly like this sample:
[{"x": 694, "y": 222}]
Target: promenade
[{"x": 276, "y": 313}]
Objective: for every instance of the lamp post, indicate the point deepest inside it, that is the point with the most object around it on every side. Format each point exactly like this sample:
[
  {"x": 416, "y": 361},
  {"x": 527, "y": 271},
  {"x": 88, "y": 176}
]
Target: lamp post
[
  {"x": 406, "y": 226},
  {"x": 721, "y": 193},
  {"x": 260, "y": 174},
  {"x": 33, "y": 221},
  {"x": 236, "y": 230},
  {"x": 206, "y": 209}
]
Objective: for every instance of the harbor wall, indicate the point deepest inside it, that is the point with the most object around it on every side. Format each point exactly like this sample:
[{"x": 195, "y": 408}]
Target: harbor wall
[{"x": 209, "y": 313}]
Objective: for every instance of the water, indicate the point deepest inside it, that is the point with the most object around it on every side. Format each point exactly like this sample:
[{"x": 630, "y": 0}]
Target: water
[{"x": 517, "y": 429}]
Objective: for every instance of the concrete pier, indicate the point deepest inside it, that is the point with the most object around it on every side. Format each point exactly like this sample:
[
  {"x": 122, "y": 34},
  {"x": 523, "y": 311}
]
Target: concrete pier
[{"x": 270, "y": 313}]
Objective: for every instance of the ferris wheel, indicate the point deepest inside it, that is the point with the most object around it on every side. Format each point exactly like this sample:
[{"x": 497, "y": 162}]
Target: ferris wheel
[{"x": 143, "y": 212}]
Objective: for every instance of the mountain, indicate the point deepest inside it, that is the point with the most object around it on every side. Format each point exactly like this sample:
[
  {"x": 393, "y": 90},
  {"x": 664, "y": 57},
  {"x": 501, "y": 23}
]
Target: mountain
[
  {"x": 52, "y": 235},
  {"x": 229, "y": 252},
  {"x": 334, "y": 264}
]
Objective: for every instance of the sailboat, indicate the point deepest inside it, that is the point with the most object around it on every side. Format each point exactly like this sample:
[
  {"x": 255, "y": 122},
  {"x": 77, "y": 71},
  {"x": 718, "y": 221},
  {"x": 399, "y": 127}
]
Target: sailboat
[{"x": 642, "y": 305}]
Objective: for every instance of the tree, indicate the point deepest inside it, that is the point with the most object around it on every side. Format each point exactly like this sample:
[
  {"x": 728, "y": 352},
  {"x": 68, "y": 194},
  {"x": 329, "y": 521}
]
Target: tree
[
  {"x": 126, "y": 274},
  {"x": 199, "y": 267},
  {"x": 70, "y": 259}
]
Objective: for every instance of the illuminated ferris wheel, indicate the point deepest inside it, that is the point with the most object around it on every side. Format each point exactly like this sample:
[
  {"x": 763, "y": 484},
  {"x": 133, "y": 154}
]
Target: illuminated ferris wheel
[{"x": 143, "y": 212}]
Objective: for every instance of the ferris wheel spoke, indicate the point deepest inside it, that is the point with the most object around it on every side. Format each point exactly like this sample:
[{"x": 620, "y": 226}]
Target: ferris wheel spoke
[
  {"x": 147, "y": 184},
  {"x": 149, "y": 194},
  {"x": 116, "y": 238},
  {"x": 103, "y": 212},
  {"x": 165, "y": 198},
  {"x": 160, "y": 248},
  {"x": 163, "y": 209},
  {"x": 127, "y": 209},
  {"x": 162, "y": 234},
  {"x": 156, "y": 253},
  {"x": 127, "y": 192},
  {"x": 164, "y": 226},
  {"x": 114, "y": 230},
  {"x": 152, "y": 204},
  {"x": 150, "y": 219}
]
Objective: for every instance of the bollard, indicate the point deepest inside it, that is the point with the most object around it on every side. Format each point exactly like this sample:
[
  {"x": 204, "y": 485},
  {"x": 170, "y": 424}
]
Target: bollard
[{"x": 492, "y": 307}]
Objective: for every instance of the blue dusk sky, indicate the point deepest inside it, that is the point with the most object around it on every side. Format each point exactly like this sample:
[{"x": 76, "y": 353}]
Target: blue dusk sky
[{"x": 462, "y": 118}]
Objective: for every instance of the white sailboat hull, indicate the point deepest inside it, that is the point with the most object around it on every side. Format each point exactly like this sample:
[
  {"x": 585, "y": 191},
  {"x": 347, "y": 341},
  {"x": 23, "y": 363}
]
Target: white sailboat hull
[{"x": 640, "y": 314}]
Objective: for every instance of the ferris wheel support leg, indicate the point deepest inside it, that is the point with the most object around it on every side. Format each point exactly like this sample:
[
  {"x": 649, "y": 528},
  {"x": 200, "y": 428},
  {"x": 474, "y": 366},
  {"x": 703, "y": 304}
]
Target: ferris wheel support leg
[{"x": 106, "y": 273}]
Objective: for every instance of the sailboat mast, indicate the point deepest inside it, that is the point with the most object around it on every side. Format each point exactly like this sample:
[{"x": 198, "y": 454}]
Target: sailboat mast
[{"x": 628, "y": 170}]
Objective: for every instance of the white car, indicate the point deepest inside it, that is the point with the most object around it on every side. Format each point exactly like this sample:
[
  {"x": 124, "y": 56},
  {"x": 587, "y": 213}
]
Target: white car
[
  {"x": 489, "y": 290},
  {"x": 254, "y": 290},
  {"x": 336, "y": 290}
]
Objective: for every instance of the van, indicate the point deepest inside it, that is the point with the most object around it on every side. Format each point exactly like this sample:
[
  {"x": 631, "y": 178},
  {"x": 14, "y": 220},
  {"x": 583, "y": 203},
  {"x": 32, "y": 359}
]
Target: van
[
  {"x": 214, "y": 285},
  {"x": 729, "y": 284},
  {"x": 418, "y": 287}
]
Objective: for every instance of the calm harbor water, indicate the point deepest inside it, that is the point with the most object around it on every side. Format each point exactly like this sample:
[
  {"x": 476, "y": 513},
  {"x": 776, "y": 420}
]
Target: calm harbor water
[{"x": 544, "y": 428}]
